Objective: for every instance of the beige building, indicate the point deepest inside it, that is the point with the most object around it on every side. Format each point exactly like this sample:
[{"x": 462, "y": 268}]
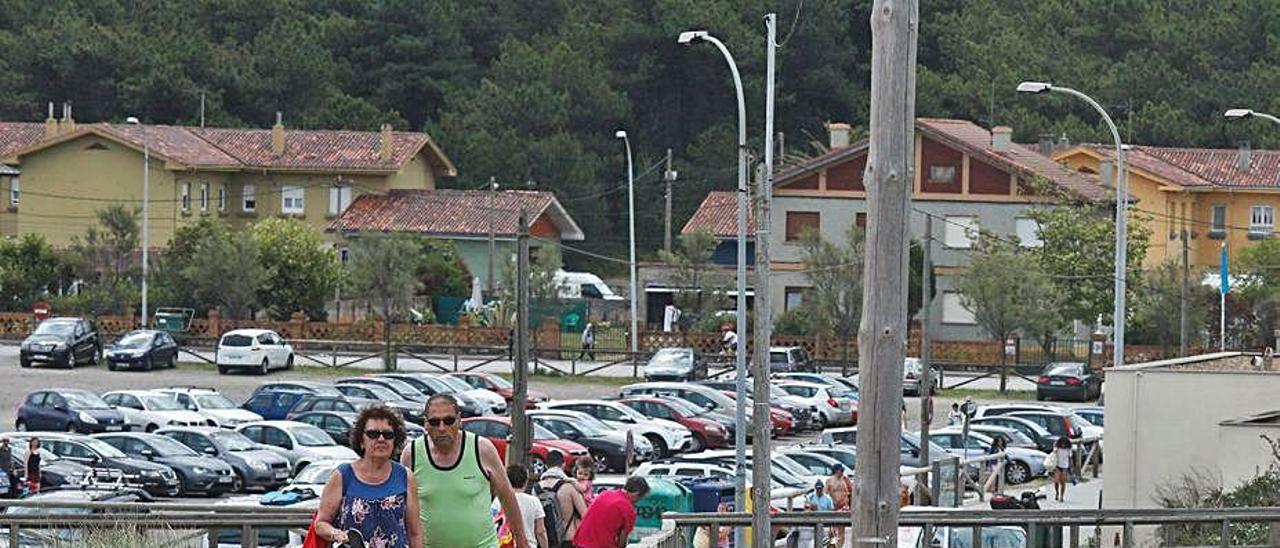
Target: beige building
[{"x": 59, "y": 174}]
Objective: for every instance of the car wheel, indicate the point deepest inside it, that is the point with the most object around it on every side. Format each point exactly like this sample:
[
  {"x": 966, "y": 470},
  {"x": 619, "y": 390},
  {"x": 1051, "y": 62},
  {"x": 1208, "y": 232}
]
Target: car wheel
[
  {"x": 698, "y": 443},
  {"x": 822, "y": 421},
  {"x": 24, "y": 362},
  {"x": 660, "y": 449},
  {"x": 288, "y": 363},
  {"x": 97, "y": 351},
  {"x": 1017, "y": 472},
  {"x": 111, "y": 366},
  {"x": 21, "y": 426},
  {"x": 182, "y": 483},
  {"x": 601, "y": 462},
  {"x": 222, "y": 369},
  {"x": 151, "y": 428},
  {"x": 71, "y": 359},
  {"x": 265, "y": 368},
  {"x": 149, "y": 365},
  {"x": 237, "y": 482},
  {"x": 173, "y": 361},
  {"x": 537, "y": 466}
]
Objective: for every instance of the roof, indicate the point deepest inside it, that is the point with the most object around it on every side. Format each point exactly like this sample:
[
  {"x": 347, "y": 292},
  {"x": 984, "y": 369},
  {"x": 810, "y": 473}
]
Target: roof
[
  {"x": 975, "y": 140},
  {"x": 718, "y": 215},
  {"x": 1200, "y": 167},
  {"x": 237, "y": 149},
  {"x": 454, "y": 213}
]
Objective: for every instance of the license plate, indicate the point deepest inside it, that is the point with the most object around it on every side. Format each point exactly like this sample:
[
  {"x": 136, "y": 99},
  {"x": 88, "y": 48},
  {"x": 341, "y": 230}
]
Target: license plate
[
  {"x": 282, "y": 474},
  {"x": 114, "y": 428},
  {"x": 224, "y": 479},
  {"x": 1057, "y": 383},
  {"x": 234, "y": 356}
]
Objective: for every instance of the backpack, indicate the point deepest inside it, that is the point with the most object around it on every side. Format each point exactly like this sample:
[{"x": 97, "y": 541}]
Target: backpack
[{"x": 554, "y": 522}]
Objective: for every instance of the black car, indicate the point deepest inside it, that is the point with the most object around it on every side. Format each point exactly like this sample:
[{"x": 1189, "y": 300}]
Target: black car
[
  {"x": 144, "y": 349},
  {"x": 68, "y": 410},
  {"x": 606, "y": 447},
  {"x": 311, "y": 403},
  {"x": 65, "y": 342},
  {"x": 1068, "y": 381},
  {"x": 54, "y": 470},
  {"x": 338, "y": 425},
  {"x": 196, "y": 473},
  {"x": 156, "y": 479},
  {"x": 411, "y": 411},
  {"x": 255, "y": 467}
]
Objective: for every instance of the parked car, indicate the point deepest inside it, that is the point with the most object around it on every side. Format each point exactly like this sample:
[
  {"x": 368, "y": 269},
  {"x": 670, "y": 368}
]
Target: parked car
[
  {"x": 782, "y": 422},
  {"x": 498, "y": 431},
  {"x": 430, "y": 385},
  {"x": 68, "y": 410},
  {"x": 1004, "y": 536},
  {"x": 301, "y": 443},
  {"x": 1095, "y": 415},
  {"x": 411, "y": 411},
  {"x": 830, "y": 410},
  {"x": 847, "y": 387},
  {"x": 803, "y": 414},
  {"x": 212, "y": 405},
  {"x": 666, "y": 436},
  {"x": 144, "y": 349},
  {"x": 606, "y": 445},
  {"x": 310, "y": 387},
  {"x": 705, "y": 397},
  {"x": 274, "y": 404},
  {"x": 707, "y": 433},
  {"x": 310, "y": 403},
  {"x": 156, "y": 479},
  {"x": 405, "y": 390},
  {"x": 1058, "y": 423},
  {"x": 817, "y": 464},
  {"x": 913, "y": 373},
  {"x": 498, "y": 385},
  {"x": 196, "y": 473},
  {"x": 55, "y": 471},
  {"x": 683, "y": 469},
  {"x": 1012, "y": 437},
  {"x": 147, "y": 411},
  {"x": 1008, "y": 408},
  {"x": 1069, "y": 381},
  {"x": 338, "y": 426},
  {"x": 259, "y": 350},
  {"x": 675, "y": 364},
  {"x": 1044, "y": 440},
  {"x": 61, "y": 341},
  {"x": 782, "y": 469},
  {"x": 1022, "y": 464},
  {"x": 909, "y": 445},
  {"x": 786, "y": 359},
  {"x": 481, "y": 396},
  {"x": 255, "y": 466}
]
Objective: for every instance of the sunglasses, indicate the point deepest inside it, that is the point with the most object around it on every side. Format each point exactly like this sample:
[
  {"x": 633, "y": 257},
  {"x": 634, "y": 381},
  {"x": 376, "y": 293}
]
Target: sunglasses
[
  {"x": 384, "y": 434},
  {"x": 447, "y": 421}
]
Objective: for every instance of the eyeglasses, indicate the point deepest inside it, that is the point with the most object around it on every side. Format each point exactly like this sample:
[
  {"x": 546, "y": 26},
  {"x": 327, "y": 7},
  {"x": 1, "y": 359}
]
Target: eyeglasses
[
  {"x": 447, "y": 421},
  {"x": 384, "y": 434}
]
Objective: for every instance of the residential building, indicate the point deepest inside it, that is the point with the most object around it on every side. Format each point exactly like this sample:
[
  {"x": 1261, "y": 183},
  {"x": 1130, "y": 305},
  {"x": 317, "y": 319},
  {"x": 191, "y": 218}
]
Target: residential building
[
  {"x": 69, "y": 171},
  {"x": 966, "y": 177},
  {"x": 1217, "y": 195}
]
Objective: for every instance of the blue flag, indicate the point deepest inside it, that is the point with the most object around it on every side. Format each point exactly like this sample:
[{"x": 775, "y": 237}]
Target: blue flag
[{"x": 1226, "y": 282}]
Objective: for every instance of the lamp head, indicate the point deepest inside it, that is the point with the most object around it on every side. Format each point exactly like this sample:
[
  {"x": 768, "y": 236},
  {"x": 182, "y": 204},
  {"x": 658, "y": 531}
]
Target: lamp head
[
  {"x": 132, "y": 120},
  {"x": 690, "y": 36},
  {"x": 621, "y": 134},
  {"x": 1034, "y": 87},
  {"x": 1238, "y": 113}
]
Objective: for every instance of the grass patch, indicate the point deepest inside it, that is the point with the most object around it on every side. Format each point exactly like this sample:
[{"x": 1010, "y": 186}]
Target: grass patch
[
  {"x": 1011, "y": 395},
  {"x": 576, "y": 380},
  {"x": 306, "y": 370}
]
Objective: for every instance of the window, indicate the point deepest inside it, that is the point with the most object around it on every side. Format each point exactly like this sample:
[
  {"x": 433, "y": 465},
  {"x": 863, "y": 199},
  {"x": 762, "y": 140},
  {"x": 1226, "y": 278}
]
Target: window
[
  {"x": 186, "y": 197},
  {"x": 860, "y": 219},
  {"x": 794, "y": 297},
  {"x": 942, "y": 174},
  {"x": 960, "y": 231},
  {"x": 1218, "y": 228},
  {"x": 1262, "y": 220},
  {"x": 204, "y": 197},
  {"x": 1027, "y": 229},
  {"x": 339, "y": 199},
  {"x": 291, "y": 199},
  {"x": 954, "y": 311},
  {"x": 250, "y": 198},
  {"x": 799, "y": 222},
  {"x": 15, "y": 189},
  {"x": 222, "y": 198}
]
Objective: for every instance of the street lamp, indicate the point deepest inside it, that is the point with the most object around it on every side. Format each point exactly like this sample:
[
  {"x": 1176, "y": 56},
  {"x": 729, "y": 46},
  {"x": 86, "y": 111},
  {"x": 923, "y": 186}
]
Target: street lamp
[
  {"x": 1122, "y": 206},
  {"x": 740, "y": 353},
  {"x": 631, "y": 221},
  {"x": 146, "y": 211},
  {"x": 1242, "y": 113}
]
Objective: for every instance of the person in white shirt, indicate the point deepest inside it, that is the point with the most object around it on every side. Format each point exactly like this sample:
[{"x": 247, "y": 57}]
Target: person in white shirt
[
  {"x": 670, "y": 318},
  {"x": 535, "y": 523},
  {"x": 729, "y": 341}
]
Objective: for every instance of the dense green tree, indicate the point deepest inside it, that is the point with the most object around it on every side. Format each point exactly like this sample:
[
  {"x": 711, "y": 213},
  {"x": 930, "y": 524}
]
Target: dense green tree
[
  {"x": 209, "y": 265},
  {"x": 1158, "y": 307},
  {"x": 29, "y": 268},
  {"x": 691, "y": 268},
  {"x": 301, "y": 272}
]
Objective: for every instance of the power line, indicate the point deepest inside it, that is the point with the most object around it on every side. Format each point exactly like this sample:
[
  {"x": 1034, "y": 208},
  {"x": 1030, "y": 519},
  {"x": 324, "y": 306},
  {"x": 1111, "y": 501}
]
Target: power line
[{"x": 794, "y": 20}]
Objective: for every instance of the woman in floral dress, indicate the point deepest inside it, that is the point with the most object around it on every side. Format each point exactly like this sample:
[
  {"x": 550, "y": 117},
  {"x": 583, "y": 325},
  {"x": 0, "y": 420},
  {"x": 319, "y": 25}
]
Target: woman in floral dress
[{"x": 374, "y": 494}]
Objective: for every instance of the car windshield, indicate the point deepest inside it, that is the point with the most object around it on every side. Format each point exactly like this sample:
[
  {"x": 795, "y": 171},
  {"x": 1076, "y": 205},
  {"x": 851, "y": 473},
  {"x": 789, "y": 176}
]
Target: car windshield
[
  {"x": 671, "y": 356},
  {"x": 911, "y": 366},
  {"x": 168, "y": 447},
  {"x": 20, "y": 451},
  {"x": 541, "y": 433},
  {"x": 316, "y": 473},
  {"x": 499, "y": 382},
  {"x": 778, "y": 357},
  {"x": 237, "y": 340},
  {"x": 84, "y": 400},
  {"x": 589, "y": 426},
  {"x": 136, "y": 339},
  {"x": 1066, "y": 369},
  {"x": 628, "y": 411},
  {"x": 156, "y": 402},
  {"x": 311, "y": 436},
  {"x": 789, "y": 464},
  {"x": 380, "y": 392},
  {"x": 55, "y": 328},
  {"x": 685, "y": 408},
  {"x": 101, "y": 447},
  {"x": 405, "y": 389},
  {"x": 233, "y": 441},
  {"x": 214, "y": 401},
  {"x": 802, "y": 391},
  {"x": 1014, "y": 437},
  {"x": 453, "y": 383},
  {"x": 848, "y": 458}
]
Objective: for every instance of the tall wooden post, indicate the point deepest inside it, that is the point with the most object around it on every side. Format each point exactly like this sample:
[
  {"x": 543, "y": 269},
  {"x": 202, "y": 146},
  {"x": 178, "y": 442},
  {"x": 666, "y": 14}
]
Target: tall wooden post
[
  {"x": 760, "y": 450},
  {"x": 889, "y": 180},
  {"x": 519, "y": 422},
  {"x": 926, "y": 356}
]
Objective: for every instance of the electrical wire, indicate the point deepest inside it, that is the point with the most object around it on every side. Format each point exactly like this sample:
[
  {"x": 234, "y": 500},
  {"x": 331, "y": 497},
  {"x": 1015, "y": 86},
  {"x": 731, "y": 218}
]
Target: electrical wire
[{"x": 794, "y": 20}]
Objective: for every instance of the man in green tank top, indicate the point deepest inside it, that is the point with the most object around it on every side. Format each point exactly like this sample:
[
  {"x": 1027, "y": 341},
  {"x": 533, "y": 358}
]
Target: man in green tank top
[{"x": 457, "y": 474}]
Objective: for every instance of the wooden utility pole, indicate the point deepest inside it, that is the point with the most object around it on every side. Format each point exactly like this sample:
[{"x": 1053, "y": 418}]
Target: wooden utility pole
[
  {"x": 889, "y": 179},
  {"x": 761, "y": 453},
  {"x": 669, "y": 176},
  {"x": 519, "y": 422},
  {"x": 926, "y": 355}
]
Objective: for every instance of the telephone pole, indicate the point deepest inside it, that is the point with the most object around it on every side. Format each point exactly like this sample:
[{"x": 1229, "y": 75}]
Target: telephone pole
[
  {"x": 760, "y": 451},
  {"x": 1182, "y": 318},
  {"x": 926, "y": 354},
  {"x": 889, "y": 179},
  {"x": 519, "y": 370},
  {"x": 670, "y": 177},
  {"x": 493, "y": 189}
]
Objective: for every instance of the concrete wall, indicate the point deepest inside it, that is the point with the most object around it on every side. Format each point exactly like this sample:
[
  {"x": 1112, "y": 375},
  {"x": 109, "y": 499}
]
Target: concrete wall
[{"x": 1242, "y": 453}]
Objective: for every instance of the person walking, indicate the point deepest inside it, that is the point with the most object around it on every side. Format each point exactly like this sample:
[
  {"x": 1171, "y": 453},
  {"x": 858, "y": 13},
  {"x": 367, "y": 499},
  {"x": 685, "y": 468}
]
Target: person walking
[
  {"x": 373, "y": 495},
  {"x": 569, "y": 496},
  {"x": 728, "y": 340},
  {"x": 588, "y": 342},
  {"x": 954, "y": 417},
  {"x": 457, "y": 475},
  {"x": 611, "y": 517},
  {"x": 531, "y": 512},
  {"x": 1062, "y": 467},
  {"x": 995, "y": 467},
  {"x": 6, "y": 463},
  {"x": 840, "y": 488},
  {"x": 33, "y": 466}
]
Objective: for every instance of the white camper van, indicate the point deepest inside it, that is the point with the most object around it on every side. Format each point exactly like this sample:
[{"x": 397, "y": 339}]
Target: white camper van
[{"x": 583, "y": 285}]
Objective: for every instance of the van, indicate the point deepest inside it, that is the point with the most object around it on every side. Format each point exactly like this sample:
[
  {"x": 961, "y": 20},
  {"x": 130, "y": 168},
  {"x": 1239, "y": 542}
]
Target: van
[{"x": 583, "y": 285}]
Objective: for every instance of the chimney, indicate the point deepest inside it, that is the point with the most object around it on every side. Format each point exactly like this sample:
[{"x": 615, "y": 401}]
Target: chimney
[
  {"x": 50, "y": 124},
  {"x": 1046, "y": 144},
  {"x": 277, "y": 135},
  {"x": 68, "y": 123},
  {"x": 384, "y": 148},
  {"x": 840, "y": 134},
  {"x": 1106, "y": 173},
  {"x": 1001, "y": 138},
  {"x": 1244, "y": 156}
]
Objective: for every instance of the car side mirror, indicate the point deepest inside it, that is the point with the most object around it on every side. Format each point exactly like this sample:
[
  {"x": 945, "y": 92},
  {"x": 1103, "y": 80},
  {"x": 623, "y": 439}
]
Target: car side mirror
[
  {"x": 211, "y": 451},
  {"x": 628, "y": 420},
  {"x": 147, "y": 453},
  {"x": 60, "y": 407}
]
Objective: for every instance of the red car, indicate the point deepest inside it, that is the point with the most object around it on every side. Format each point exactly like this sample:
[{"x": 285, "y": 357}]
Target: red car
[
  {"x": 782, "y": 420},
  {"x": 503, "y": 387},
  {"x": 498, "y": 431},
  {"x": 707, "y": 433}
]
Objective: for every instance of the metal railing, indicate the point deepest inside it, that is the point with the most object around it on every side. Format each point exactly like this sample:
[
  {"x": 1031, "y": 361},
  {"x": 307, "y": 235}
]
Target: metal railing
[{"x": 183, "y": 523}]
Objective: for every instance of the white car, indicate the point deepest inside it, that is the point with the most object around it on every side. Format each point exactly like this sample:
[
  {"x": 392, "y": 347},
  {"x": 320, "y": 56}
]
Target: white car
[
  {"x": 494, "y": 400},
  {"x": 667, "y": 437},
  {"x": 301, "y": 443},
  {"x": 830, "y": 409},
  {"x": 211, "y": 405},
  {"x": 259, "y": 350},
  {"x": 148, "y": 411}
]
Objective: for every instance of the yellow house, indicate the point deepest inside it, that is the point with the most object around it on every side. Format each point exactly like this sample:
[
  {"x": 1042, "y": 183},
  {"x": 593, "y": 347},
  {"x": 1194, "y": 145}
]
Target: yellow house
[
  {"x": 68, "y": 172},
  {"x": 1214, "y": 195}
]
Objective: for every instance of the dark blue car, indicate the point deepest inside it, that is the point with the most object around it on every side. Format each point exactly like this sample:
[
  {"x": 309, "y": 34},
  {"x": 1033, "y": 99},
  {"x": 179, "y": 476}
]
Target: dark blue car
[
  {"x": 274, "y": 405},
  {"x": 68, "y": 410}
]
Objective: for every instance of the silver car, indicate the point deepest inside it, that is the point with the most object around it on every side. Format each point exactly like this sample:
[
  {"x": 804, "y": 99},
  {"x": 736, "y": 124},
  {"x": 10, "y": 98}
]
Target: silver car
[
  {"x": 1022, "y": 464},
  {"x": 830, "y": 410},
  {"x": 675, "y": 364}
]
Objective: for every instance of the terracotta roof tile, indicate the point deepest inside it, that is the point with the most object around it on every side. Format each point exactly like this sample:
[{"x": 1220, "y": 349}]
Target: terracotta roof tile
[
  {"x": 718, "y": 214},
  {"x": 15, "y": 136},
  {"x": 451, "y": 212},
  {"x": 1203, "y": 167},
  {"x": 173, "y": 142},
  {"x": 315, "y": 149}
]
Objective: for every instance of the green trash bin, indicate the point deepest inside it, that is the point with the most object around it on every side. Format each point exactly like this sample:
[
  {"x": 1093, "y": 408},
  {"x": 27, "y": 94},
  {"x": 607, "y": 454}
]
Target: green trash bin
[
  {"x": 664, "y": 496},
  {"x": 173, "y": 320}
]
